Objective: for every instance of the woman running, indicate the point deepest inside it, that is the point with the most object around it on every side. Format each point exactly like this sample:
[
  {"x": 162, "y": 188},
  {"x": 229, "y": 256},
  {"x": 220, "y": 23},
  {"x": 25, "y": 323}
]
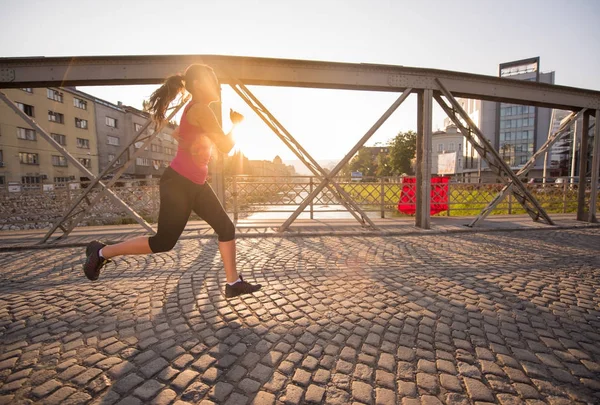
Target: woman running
[{"x": 183, "y": 186}]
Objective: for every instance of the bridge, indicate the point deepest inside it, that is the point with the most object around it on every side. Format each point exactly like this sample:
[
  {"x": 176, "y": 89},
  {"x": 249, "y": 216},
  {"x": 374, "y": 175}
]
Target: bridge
[{"x": 239, "y": 72}]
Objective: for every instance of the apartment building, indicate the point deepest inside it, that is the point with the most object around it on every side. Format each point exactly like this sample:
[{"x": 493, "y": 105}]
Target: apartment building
[
  {"x": 156, "y": 157},
  {"x": 92, "y": 130},
  {"x": 26, "y": 158}
]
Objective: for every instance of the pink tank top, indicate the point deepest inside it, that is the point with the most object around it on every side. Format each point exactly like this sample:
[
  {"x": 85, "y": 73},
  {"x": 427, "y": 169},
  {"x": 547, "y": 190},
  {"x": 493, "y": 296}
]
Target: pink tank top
[{"x": 193, "y": 152}]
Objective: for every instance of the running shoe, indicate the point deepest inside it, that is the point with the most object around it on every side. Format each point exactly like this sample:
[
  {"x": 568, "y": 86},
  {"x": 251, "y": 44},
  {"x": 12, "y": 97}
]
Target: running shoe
[
  {"x": 94, "y": 262},
  {"x": 241, "y": 287}
]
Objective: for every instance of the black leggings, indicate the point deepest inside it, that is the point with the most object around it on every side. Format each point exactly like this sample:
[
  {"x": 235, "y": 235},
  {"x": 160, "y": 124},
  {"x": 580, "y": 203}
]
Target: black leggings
[{"x": 178, "y": 198}]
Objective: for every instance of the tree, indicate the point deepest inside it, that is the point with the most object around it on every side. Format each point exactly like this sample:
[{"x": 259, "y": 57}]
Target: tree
[
  {"x": 363, "y": 162},
  {"x": 402, "y": 151},
  {"x": 383, "y": 165}
]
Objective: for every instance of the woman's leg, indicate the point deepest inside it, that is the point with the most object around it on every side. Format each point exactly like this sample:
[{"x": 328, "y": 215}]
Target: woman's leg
[
  {"x": 208, "y": 207},
  {"x": 135, "y": 246},
  {"x": 175, "y": 208}
]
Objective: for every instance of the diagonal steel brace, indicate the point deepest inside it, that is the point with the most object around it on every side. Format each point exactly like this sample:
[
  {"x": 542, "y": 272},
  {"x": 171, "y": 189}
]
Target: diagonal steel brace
[
  {"x": 347, "y": 158},
  {"x": 119, "y": 170},
  {"x": 564, "y": 127},
  {"x": 71, "y": 159},
  {"x": 490, "y": 155},
  {"x": 341, "y": 195}
]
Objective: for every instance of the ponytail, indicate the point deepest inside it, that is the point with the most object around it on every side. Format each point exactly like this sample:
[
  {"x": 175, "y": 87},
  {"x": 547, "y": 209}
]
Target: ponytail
[{"x": 163, "y": 96}]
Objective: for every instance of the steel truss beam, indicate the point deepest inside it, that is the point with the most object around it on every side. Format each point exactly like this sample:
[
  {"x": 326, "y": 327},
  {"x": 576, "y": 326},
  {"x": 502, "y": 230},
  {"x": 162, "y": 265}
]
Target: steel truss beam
[
  {"x": 487, "y": 152},
  {"x": 564, "y": 127},
  {"x": 282, "y": 133},
  {"x": 152, "y": 69},
  {"x": 595, "y": 170},
  {"x": 329, "y": 178}
]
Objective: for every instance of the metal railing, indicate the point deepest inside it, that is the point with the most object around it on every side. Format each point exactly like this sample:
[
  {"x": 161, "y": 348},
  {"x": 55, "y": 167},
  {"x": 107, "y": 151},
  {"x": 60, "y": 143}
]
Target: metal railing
[
  {"x": 273, "y": 197},
  {"x": 247, "y": 195}
]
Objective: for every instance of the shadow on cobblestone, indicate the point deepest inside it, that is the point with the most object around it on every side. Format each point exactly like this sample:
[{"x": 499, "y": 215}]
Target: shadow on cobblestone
[{"x": 465, "y": 318}]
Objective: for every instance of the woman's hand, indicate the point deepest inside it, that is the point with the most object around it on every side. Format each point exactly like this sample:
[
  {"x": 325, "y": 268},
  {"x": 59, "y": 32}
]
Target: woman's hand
[{"x": 235, "y": 117}]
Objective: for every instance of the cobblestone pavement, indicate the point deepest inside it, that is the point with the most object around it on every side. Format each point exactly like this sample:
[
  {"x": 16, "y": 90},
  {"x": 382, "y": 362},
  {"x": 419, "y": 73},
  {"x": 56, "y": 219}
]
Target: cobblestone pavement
[{"x": 503, "y": 317}]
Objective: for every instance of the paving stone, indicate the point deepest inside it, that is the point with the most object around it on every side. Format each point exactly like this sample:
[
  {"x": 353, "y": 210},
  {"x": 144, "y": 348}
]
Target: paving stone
[
  {"x": 183, "y": 379},
  {"x": 293, "y": 395},
  {"x": 148, "y": 390},
  {"x": 86, "y": 376},
  {"x": 195, "y": 392},
  {"x": 153, "y": 367},
  {"x": 46, "y": 388},
  {"x": 314, "y": 394},
  {"x": 301, "y": 377},
  {"x": 261, "y": 373},
  {"x": 526, "y": 391},
  {"x": 164, "y": 397},
  {"x": 450, "y": 382},
  {"x": 362, "y": 392},
  {"x": 220, "y": 391},
  {"x": 59, "y": 396},
  {"x": 407, "y": 389},
  {"x": 276, "y": 382},
  {"x": 127, "y": 383},
  {"x": 477, "y": 390}
]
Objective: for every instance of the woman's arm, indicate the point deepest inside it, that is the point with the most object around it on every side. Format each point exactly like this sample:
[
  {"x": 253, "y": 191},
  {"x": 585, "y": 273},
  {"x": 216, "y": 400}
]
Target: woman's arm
[{"x": 202, "y": 116}]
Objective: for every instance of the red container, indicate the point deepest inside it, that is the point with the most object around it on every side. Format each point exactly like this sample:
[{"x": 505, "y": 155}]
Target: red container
[{"x": 439, "y": 195}]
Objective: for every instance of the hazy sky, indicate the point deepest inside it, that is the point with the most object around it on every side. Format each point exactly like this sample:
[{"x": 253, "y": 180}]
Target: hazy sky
[{"x": 470, "y": 36}]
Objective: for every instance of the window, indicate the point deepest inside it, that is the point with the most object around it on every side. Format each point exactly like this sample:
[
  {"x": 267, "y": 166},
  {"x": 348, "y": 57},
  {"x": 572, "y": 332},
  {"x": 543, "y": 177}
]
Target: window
[
  {"x": 61, "y": 181},
  {"x": 142, "y": 161},
  {"x": 137, "y": 127},
  {"x": 55, "y": 95},
  {"x": 112, "y": 157},
  {"x": 138, "y": 145},
  {"x": 523, "y": 159},
  {"x": 59, "y": 161},
  {"x": 26, "y": 108},
  {"x": 2, "y": 180},
  {"x": 531, "y": 122},
  {"x": 61, "y": 139},
  {"x": 113, "y": 140},
  {"x": 451, "y": 147},
  {"x": 440, "y": 147},
  {"x": 27, "y": 89},
  {"x": 81, "y": 123},
  {"x": 168, "y": 151},
  {"x": 111, "y": 122},
  {"x": 79, "y": 103},
  {"x": 1, "y": 158},
  {"x": 27, "y": 134},
  {"x": 32, "y": 181},
  {"x": 87, "y": 162},
  {"x": 83, "y": 143},
  {"x": 29, "y": 158},
  {"x": 56, "y": 117},
  {"x": 155, "y": 148}
]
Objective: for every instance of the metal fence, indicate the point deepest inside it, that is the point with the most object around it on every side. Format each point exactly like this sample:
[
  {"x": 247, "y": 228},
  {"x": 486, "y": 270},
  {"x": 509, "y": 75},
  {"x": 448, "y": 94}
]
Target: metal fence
[
  {"x": 247, "y": 195},
  {"x": 270, "y": 197}
]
